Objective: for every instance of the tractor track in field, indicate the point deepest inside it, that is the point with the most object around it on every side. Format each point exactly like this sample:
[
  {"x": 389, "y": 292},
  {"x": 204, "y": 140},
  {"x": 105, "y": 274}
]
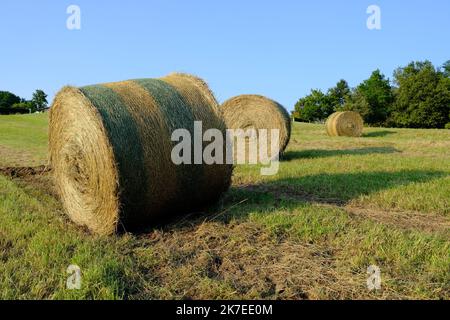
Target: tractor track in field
[
  {"x": 404, "y": 219},
  {"x": 23, "y": 172},
  {"x": 408, "y": 220}
]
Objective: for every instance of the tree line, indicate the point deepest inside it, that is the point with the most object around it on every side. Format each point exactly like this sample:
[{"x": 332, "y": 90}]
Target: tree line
[
  {"x": 418, "y": 97},
  {"x": 11, "y": 103}
]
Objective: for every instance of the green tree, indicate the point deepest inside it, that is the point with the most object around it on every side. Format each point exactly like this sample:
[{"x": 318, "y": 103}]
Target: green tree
[
  {"x": 314, "y": 107},
  {"x": 446, "y": 69},
  {"x": 7, "y": 99},
  {"x": 357, "y": 102},
  {"x": 378, "y": 93},
  {"x": 339, "y": 94},
  {"x": 39, "y": 100},
  {"x": 423, "y": 96}
]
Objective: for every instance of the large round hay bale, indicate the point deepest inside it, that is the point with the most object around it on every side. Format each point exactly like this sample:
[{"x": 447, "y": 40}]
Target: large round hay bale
[
  {"x": 258, "y": 112},
  {"x": 110, "y": 149},
  {"x": 345, "y": 123}
]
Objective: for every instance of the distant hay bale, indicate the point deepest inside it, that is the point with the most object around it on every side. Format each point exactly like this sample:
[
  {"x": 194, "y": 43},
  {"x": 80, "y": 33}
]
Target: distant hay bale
[
  {"x": 258, "y": 112},
  {"x": 110, "y": 150},
  {"x": 346, "y": 123}
]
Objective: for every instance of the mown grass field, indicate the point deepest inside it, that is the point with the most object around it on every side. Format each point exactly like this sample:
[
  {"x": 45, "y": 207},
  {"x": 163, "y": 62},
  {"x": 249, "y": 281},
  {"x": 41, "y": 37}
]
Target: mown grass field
[
  {"x": 23, "y": 140},
  {"x": 337, "y": 206}
]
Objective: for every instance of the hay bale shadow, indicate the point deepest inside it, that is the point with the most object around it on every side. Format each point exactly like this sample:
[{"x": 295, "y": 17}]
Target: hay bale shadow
[
  {"x": 376, "y": 134},
  {"x": 322, "y": 153},
  {"x": 329, "y": 189}
]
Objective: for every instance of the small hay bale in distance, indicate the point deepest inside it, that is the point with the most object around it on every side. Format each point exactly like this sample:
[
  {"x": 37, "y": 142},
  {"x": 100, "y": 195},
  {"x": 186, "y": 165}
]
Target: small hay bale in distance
[
  {"x": 345, "y": 123},
  {"x": 258, "y": 112},
  {"x": 110, "y": 150}
]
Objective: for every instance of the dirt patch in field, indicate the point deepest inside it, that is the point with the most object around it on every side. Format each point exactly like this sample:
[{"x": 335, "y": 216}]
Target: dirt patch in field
[
  {"x": 23, "y": 172},
  {"x": 243, "y": 261},
  {"x": 36, "y": 180}
]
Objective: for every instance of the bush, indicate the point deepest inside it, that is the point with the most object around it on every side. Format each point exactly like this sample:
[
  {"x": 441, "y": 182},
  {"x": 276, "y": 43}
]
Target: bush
[
  {"x": 24, "y": 105},
  {"x": 295, "y": 116},
  {"x": 447, "y": 126}
]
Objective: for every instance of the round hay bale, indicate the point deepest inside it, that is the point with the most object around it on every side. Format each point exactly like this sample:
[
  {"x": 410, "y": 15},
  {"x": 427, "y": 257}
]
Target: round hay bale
[
  {"x": 110, "y": 150},
  {"x": 346, "y": 123},
  {"x": 258, "y": 112}
]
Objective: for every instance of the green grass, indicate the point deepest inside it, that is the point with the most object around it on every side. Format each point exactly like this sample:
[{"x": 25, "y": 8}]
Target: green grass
[
  {"x": 400, "y": 169},
  {"x": 337, "y": 206},
  {"x": 23, "y": 139}
]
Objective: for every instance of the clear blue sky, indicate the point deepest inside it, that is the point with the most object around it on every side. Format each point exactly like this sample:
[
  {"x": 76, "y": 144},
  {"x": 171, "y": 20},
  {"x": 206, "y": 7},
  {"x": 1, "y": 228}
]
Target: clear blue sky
[{"x": 280, "y": 49}]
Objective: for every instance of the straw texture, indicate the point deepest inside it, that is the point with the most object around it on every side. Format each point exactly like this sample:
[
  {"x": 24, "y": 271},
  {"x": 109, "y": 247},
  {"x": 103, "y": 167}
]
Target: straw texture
[
  {"x": 258, "y": 112},
  {"x": 110, "y": 149},
  {"x": 346, "y": 123}
]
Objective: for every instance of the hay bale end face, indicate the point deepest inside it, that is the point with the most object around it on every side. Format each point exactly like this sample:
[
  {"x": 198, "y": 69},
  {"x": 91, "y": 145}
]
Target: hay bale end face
[
  {"x": 346, "y": 123},
  {"x": 258, "y": 112},
  {"x": 110, "y": 149}
]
